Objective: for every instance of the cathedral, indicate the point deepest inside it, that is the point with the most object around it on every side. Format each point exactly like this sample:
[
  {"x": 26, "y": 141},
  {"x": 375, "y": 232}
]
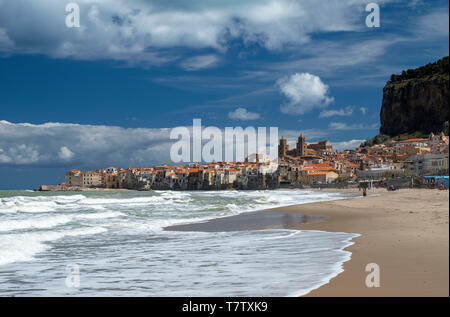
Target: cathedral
[{"x": 303, "y": 149}]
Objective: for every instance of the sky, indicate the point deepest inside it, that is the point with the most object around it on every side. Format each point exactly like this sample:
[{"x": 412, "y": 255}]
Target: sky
[{"x": 108, "y": 92}]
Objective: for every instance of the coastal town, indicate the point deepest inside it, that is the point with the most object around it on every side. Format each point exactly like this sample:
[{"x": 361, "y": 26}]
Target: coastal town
[
  {"x": 224, "y": 157},
  {"x": 313, "y": 164}
]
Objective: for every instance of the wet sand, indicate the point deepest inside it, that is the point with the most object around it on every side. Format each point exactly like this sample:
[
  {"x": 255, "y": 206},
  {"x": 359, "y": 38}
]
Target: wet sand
[
  {"x": 405, "y": 232},
  {"x": 258, "y": 220}
]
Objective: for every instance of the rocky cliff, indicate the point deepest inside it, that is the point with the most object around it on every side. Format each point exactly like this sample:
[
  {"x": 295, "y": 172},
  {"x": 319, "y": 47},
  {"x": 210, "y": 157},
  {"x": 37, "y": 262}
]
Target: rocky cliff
[{"x": 416, "y": 100}]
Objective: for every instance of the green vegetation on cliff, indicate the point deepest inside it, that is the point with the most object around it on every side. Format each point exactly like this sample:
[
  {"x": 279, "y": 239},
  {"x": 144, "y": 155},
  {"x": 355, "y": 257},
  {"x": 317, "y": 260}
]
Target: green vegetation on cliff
[
  {"x": 440, "y": 67},
  {"x": 383, "y": 138}
]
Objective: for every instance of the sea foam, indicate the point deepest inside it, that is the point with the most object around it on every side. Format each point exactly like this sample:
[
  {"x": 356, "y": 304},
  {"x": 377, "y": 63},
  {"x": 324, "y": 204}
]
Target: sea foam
[{"x": 112, "y": 234}]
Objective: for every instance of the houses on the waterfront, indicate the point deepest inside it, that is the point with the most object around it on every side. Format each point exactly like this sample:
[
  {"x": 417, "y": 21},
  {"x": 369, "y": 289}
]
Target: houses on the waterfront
[
  {"x": 220, "y": 175},
  {"x": 306, "y": 164}
]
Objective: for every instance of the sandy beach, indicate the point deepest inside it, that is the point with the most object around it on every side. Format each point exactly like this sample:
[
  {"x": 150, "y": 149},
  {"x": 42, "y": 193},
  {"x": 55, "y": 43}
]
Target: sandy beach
[{"x": 405, "y": 232}]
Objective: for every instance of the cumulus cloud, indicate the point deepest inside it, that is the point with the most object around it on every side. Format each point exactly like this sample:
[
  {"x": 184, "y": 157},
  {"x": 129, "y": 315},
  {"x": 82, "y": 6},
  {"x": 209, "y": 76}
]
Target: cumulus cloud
[
  {"x": 304, "y": 92},
  {"x": 75, "y": 145},
  {"x": 243, "y": 114},
  {"x": 145, "y": 31},
  {"x": 65, "y": 153},
  {"x": 19, "y": 154},
  {"x": 347, "y": 111},
  {"x": 95, "y": 146},
  {"x": 347, "y": 145},
  {"x": 89, "y": 147}
]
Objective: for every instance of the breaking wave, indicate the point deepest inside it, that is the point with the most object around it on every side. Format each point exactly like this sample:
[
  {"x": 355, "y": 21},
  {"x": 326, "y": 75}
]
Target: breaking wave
[{"x": 115, "y": 232}]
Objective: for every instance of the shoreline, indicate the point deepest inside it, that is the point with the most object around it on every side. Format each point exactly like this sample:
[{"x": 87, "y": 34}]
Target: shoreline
[
  {"x": 251, "y": 220},
  {"x": 405, "y": 232}
]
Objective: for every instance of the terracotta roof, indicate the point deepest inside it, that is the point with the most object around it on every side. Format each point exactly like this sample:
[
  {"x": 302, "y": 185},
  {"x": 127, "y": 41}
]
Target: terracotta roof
[
  {"x": 318, "y": 173},
  {"x": 319, "y": 165},
  {"x": 413, "y": 140}
]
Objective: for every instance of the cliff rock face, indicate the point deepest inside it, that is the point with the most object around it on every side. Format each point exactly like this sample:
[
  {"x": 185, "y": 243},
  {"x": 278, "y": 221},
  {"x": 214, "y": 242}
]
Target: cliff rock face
[{"x": 415, "y": 104}]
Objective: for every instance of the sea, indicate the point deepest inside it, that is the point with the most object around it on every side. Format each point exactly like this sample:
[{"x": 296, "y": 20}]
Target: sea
[{"x": 113, "y": 243}]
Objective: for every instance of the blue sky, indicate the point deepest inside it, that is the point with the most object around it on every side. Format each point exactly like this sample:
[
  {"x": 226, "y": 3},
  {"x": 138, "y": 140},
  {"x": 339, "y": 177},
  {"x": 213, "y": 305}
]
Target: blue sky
[{"x": 106, "y": 93}]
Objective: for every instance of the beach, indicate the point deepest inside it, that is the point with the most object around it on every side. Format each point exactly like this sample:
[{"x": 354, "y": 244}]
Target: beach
[
  {"x": 224, "y": 243},
  {"x": 405, "y": 232}
]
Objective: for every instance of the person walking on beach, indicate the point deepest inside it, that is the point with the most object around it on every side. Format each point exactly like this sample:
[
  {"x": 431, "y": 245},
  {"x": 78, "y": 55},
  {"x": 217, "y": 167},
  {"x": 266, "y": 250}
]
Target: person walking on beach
[{"x": 363, "y": 186}]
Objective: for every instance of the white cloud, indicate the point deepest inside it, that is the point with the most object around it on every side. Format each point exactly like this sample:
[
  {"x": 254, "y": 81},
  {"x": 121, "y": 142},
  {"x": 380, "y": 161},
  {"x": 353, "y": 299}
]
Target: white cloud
[
  {"x": 363, "y": 110},
  {"x": 5, "y": 42},
  {"x": 355, "y": 126},
  {"x": 347, "y": 111},
  {"x": 65, "y": 153},
  {"x": 75, "y": 145},
  {"x": 434, "y": 25},
  {"x": 325, "y": 57},
  {"x": 95, "y": 146},
  {"x": 304, "y": 92},
  {"x": 19, "y": 154},
  {"x": 90, "y": 146},
  {"x": 347, "y": 145},
  {"x": 243, "y": 114},
  {"x": 415, "y": 3},
  {"x": 143, "y": 31},
  {"x": 199, "y": 62},
  {"x": 343, "y": 126}
]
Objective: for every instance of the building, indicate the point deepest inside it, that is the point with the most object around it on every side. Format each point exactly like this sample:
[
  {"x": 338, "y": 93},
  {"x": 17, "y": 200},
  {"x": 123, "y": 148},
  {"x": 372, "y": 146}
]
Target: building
[
  {"x": 415, "y": 150},
  {"x": 306, "y": 164},
  {"x": 321, "y": 146},
  {"x": 92, "y": 179},
  {"x": 74, "y": 178},
  {"x": 111, "y": 180},
  {"x": 377, "y": 172},
  {"x": 111, "y": 170},
  {"x": 428, "y": 163},
  {"x": 438, "y": 181},
  {"x": 303, "y": 149},
  {"x": 283, "y": 148},
  {"x": 321, "y": 177}
]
